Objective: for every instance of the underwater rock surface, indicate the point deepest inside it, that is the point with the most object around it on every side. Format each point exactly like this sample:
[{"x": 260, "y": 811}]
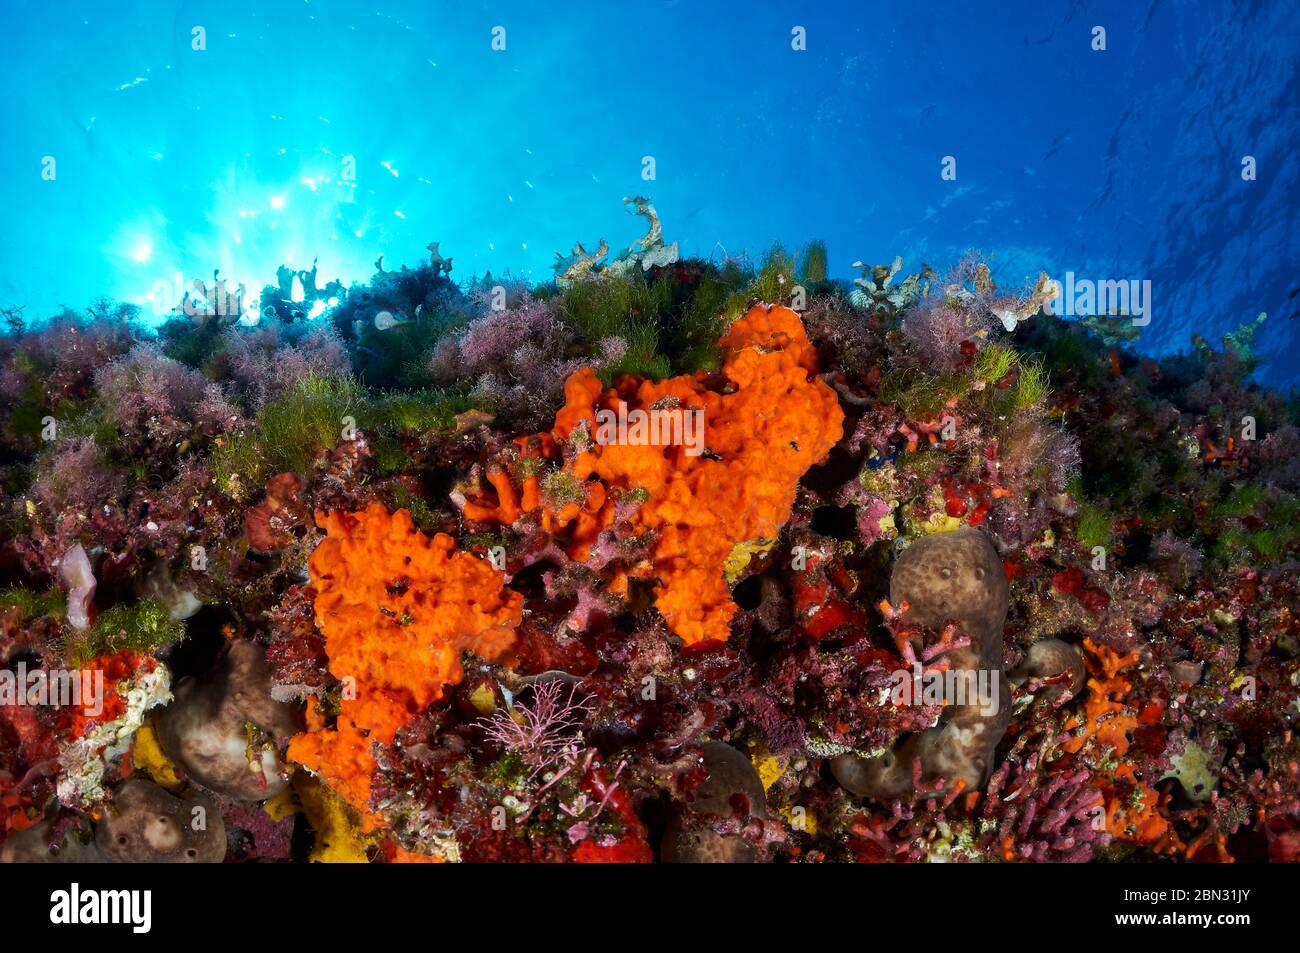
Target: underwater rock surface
[{"x": 671, "y": 560}]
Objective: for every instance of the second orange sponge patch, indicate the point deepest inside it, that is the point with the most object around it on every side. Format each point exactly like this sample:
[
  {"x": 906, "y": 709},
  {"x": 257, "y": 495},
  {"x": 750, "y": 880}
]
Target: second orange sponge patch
[{"x": 397, "y": 609}]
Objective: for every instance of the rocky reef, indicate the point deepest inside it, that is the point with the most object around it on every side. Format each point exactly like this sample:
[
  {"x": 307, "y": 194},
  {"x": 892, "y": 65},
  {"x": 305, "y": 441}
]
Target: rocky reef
[{"x": 668, "y": 559}]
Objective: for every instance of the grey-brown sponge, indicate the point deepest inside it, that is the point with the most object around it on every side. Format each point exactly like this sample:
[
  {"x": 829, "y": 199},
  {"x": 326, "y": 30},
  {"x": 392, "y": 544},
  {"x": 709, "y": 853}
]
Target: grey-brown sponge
[
  {"x": 1048, "y": 659},
  {"x": 224, "y": 729},
  {"x": 731, "y": 781},
  {"x": 145, "y": 824},
  {"x": 34, "y": 846}
]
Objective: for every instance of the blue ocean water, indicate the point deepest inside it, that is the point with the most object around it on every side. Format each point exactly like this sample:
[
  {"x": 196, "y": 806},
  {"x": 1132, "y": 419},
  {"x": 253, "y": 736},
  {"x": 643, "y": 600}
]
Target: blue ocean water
[{"x": 342, "y": 131}]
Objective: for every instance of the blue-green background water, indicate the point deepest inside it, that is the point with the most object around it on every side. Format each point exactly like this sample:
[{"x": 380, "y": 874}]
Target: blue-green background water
[{"x": 1117, "y": 164}]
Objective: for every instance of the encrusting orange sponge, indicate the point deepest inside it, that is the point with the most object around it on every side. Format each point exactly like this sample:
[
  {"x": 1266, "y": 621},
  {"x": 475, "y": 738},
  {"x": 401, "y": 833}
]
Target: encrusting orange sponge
[
  {"x": 397, "y": 609},
  {"x": 769, "y": 424}
]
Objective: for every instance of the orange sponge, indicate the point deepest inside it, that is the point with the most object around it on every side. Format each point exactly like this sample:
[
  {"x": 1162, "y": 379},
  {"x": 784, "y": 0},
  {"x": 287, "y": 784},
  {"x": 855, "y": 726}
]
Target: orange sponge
[
  {"x": 769, "y": 422},
  {"x": 397, "y": 609}
]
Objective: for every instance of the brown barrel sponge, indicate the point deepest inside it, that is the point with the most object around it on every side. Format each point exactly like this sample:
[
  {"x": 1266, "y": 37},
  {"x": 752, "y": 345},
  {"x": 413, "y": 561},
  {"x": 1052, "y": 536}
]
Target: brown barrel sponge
[
  {"x": 954, "y": 576},
  {"x": 949, "y": 577}
]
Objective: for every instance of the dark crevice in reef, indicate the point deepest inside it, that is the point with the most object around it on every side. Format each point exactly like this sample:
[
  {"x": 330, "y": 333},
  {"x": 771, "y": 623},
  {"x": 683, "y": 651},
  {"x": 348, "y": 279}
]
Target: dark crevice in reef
[
  {"x": 204, "y": 641},
  {"x": 837, "y": 522},
  {"x": 748, "y": 594}
]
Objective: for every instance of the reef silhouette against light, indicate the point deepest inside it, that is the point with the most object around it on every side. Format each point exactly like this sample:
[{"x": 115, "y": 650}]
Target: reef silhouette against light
[{"x": 672, "y": 555}]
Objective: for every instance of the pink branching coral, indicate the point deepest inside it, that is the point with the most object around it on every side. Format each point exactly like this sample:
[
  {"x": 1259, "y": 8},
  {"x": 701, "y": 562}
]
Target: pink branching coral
[
  {"x": 1030, "y": 815},
  {"x": 913, "y": 830},
  {"x": 540, "y": 731}
]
